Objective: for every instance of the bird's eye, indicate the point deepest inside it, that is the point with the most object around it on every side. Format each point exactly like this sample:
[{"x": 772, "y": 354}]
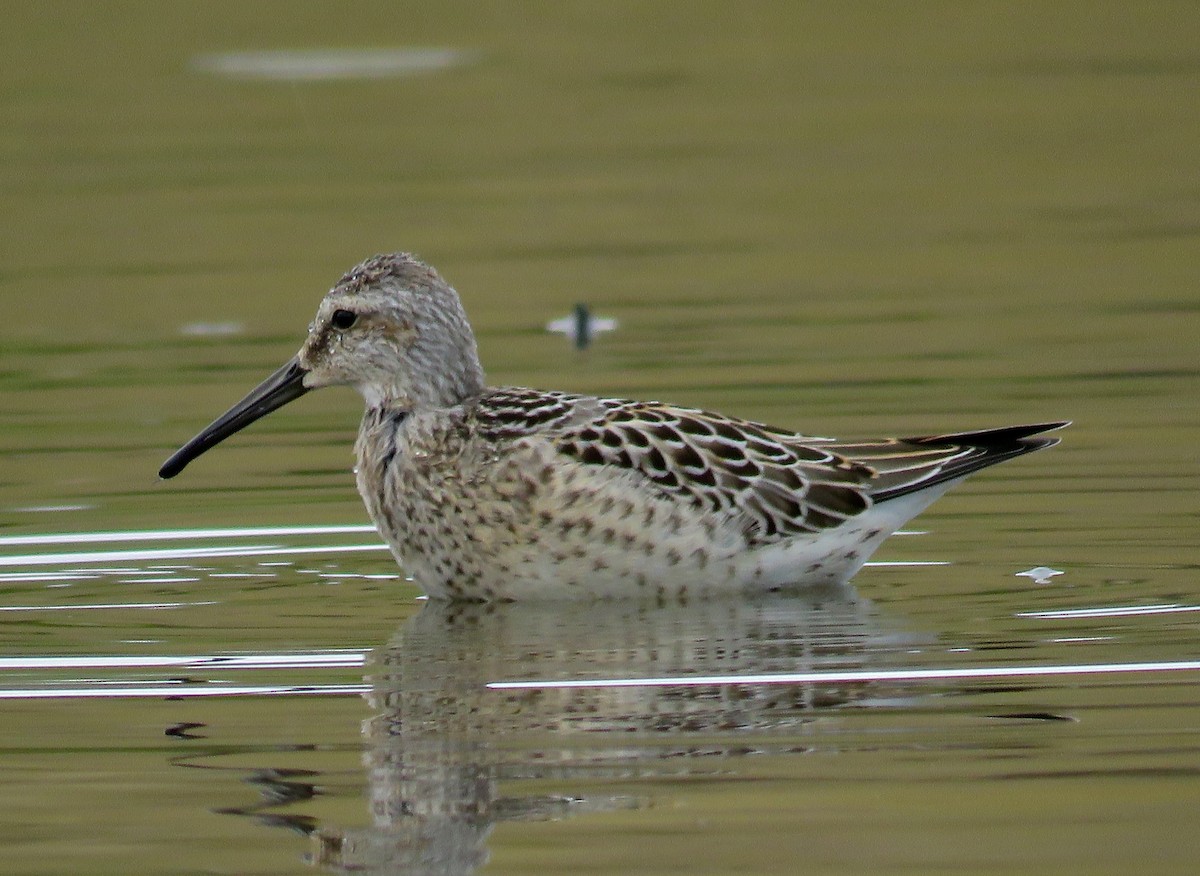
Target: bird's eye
[{"x": 343, "y": 319}]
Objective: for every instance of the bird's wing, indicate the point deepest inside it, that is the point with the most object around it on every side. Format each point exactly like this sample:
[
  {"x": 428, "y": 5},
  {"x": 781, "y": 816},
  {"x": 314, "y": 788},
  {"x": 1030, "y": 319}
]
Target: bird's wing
[
  {"x": 906, "y": 465},
  {"x": 772, "y": 484}
]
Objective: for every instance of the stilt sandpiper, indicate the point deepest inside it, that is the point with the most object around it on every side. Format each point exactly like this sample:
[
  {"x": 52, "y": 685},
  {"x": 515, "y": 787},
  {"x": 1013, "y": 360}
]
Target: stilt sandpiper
[{"x": 512, "y": 493}]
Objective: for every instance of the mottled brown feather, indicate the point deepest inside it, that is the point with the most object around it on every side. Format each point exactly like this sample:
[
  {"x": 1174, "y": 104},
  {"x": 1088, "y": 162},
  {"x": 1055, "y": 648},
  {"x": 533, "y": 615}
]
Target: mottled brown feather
[{"x": 772, "y": 483}]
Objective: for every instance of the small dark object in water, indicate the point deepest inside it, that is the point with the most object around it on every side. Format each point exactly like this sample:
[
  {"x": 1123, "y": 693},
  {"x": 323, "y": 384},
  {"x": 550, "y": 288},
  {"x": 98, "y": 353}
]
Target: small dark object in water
[{"x": 581, "y": 327}]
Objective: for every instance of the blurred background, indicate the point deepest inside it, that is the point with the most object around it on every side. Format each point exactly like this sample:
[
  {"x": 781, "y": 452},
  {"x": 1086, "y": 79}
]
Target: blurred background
[
  {"x": 847, "y": 219},
  {"x": 873, "y": 219}
]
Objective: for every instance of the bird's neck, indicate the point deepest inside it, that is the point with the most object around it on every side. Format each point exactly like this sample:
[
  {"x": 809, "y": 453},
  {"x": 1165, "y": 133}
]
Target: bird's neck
[{"x": 438, "y": 392}]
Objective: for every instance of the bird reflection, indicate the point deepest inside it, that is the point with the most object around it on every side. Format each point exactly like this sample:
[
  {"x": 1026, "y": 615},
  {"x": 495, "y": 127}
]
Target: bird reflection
[{"x": 448, "y": 758}]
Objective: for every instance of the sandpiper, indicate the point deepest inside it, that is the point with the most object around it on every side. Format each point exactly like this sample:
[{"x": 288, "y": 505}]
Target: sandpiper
[{"x": 511, "y": 493}]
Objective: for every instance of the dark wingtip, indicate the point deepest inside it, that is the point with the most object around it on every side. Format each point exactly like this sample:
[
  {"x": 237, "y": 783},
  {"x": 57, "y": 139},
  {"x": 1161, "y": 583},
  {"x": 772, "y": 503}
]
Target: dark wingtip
[
  {"x": 1003, "y": 435},
  {"x": 990, "y": 447}
]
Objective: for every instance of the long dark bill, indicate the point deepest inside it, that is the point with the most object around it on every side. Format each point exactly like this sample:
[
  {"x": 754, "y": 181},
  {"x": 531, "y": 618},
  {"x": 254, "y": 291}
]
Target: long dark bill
[{"x": 285, "y": 385}]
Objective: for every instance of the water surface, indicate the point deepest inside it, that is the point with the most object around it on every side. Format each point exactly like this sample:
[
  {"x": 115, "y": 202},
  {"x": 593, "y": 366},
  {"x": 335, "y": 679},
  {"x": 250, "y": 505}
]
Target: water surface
[{"x": 884, "y": 220}]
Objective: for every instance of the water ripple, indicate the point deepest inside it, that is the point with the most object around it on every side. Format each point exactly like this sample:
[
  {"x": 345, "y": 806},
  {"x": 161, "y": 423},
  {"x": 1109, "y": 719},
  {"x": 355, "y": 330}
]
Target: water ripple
[{"x": 857, "y": 676}]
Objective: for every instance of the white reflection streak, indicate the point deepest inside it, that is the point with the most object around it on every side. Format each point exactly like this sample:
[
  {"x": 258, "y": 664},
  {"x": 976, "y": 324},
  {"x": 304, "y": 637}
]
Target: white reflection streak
[
  {"x": 1113, "y": 611},
  {"x": 90, "y": 575},
  {"x": 180, "y": 534},
  {"x": 227, "y": 551},
  {"x": 897, "y": 563},
  {"x": 336, "y": 659},
  {"x": 89, "y": 605},
  {"x": 857, "y": 675},
  {"x": 157, "y": 580},
  {"x": 259, "y": 550},
  {"x": 184, "y": 690}
]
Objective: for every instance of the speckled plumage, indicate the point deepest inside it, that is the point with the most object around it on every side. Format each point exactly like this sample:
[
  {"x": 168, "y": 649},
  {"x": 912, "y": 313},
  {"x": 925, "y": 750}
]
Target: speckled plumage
[{"x": 513, "y": 493}]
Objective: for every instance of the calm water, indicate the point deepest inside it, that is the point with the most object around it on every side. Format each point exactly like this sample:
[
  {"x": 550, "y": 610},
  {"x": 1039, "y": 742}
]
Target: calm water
[{"x": 880, "y": 221}]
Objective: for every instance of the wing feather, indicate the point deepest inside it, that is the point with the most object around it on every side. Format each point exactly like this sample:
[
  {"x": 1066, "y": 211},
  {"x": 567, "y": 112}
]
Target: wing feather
[{"x": 772, "y": 483}]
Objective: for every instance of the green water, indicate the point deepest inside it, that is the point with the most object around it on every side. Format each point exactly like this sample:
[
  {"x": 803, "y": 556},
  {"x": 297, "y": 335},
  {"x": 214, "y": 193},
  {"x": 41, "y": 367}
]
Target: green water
[{"x": 866, "y": 220}]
